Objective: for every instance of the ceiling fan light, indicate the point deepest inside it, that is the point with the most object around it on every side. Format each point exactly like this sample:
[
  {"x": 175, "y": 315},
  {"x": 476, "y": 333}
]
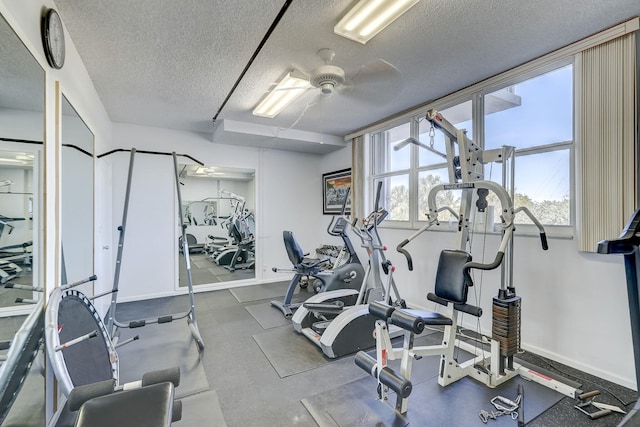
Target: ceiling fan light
[
  {"x": 327, "y": 88},
  {"x": 368, "y": 17},
  {"x": 285, "y": 92}
]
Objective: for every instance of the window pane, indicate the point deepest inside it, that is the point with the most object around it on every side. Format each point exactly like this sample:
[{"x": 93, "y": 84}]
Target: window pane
[
  {"x": 426, "y": 181},
  {"x": 538, "y": 111},
  {"x": 543, "y": 185},
  {"x": 395, "y": 196},
  {"x": 386, "y": 159},
  {"x": 460, "y": 116}
]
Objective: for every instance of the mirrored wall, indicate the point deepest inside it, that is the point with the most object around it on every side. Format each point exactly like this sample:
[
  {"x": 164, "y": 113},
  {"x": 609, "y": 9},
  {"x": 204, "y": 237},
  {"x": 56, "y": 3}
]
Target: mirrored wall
[
  {"x": 76, "y": 198},
  {"x": 219, "y": 210},
  {"x": 22, "y": 90}
]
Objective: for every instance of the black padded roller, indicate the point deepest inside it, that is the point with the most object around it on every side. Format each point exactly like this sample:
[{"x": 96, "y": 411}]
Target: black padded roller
[
  {"x": 366, "y": 362},
  {"x": 171, "y": 375},
  {"x": 395, "y": 382},
  {"x": 469, "y": 309},
  {"x": 380, "y": 310},
  {"x": 407, "y": 321},
  {"x": 388, "y": 377}
]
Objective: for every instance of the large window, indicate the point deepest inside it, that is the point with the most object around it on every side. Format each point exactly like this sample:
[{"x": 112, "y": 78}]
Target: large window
[
  {"x": 538, "y": 121},
  {"x": 534, "y": 115}
]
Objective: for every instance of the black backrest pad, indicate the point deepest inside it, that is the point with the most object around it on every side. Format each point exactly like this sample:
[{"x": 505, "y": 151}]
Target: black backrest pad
[
  {"x": 88, "y": 361},
  {"x": 452, "y": 280},
  {"x": 293, "y": 249}
]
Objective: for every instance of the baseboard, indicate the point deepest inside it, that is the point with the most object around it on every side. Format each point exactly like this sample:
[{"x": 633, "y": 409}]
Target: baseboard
[
  {"x": 600, "y": 373},
  {"x": 609, "y": 376}
]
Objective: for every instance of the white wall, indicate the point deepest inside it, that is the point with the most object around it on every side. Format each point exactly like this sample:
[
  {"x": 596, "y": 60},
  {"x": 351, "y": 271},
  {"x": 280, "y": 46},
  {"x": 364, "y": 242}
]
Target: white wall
[{"x": 288, "y": 194}]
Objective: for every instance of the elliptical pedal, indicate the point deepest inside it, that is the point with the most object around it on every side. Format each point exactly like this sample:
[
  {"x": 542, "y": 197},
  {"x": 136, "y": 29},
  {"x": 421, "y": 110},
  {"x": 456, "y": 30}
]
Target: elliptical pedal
[{"x": 320, "y": 327}]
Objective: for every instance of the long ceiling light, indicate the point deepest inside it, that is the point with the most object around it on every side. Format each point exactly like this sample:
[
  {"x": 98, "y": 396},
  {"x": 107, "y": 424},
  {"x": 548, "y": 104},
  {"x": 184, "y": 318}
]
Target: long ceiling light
[
  {"x": 285, "y": 92},
  {"x": 368, "y": 17}
]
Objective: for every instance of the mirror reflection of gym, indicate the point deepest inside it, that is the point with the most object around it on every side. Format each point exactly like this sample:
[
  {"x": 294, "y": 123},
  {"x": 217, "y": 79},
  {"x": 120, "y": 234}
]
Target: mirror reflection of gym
[
  {"x": 219, "y": 211},
  {"x": 22, "y": 87},
  {"x": 77, "y": 199}
]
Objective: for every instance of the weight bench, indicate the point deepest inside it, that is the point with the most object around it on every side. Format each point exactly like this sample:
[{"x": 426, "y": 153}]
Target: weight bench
[
  {"x": 451, "y": 287},
  {"x": 85, "y": 364}
]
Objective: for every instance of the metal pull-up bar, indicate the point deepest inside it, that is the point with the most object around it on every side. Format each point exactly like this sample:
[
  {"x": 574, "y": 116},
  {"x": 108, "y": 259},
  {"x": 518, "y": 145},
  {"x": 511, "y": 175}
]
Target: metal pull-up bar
[{"x": 161, "y": 153}]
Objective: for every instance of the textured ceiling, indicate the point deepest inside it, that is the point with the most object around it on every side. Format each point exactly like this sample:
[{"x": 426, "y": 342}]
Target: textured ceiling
[
  {"x": 170, "y": 63},
  {"x": 21, "y": 77}
]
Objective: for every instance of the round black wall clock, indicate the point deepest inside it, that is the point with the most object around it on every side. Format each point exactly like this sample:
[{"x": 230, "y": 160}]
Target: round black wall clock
[{"x": 53, "y": 38}]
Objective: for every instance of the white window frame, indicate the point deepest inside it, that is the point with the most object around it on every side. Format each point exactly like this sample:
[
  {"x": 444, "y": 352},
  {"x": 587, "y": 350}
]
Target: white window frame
[{"x": 477, "y": 99}]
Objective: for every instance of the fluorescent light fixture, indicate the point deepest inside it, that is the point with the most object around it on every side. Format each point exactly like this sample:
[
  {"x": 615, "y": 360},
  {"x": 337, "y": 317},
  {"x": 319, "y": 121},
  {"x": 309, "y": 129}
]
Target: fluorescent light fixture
[
  {"x": 368, "y": 17},
  {"x": 285, "y": 92},
  {"x": 4, "y": 160}
]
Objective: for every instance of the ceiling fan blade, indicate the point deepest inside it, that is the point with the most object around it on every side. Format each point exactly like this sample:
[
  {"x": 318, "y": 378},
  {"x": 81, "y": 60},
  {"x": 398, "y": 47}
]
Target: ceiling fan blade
[
  {"x": 374, "y": 81},
  {"x": 316, "y": 99},
  {"x": 376, "y": 69}
]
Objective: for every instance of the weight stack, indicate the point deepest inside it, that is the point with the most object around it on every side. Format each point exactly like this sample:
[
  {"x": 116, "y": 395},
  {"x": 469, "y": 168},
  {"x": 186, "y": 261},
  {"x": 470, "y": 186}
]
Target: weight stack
[{"x": 506, "y": 324}]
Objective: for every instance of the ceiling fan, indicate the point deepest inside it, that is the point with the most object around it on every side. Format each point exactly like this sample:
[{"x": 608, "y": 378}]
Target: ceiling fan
[{"x": 372, "y": 82}]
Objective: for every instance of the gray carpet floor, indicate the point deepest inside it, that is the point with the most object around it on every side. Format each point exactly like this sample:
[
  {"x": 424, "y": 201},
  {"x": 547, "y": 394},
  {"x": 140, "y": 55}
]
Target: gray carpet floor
[
  {"x": 204, "y": 271},
  {"x": 250, "y": 385}
]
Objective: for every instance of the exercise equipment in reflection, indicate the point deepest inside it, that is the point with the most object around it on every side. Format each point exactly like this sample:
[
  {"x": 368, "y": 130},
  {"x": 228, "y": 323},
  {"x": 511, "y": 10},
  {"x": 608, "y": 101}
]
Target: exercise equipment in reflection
[{"x": 239, "y": 250}]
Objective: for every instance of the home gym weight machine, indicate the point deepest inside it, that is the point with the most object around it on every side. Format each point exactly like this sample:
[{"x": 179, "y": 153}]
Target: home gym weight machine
[
  {"x": 330, "y": 319},
  {"x": 330, "y": 278},
  {"x": 492, "y": 367},
  {"x": 112, "y": 323}
]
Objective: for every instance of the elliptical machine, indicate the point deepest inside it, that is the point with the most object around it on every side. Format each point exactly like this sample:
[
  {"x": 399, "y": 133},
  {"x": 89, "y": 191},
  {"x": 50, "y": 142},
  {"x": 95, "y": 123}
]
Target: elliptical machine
[
  {"x": 339, "y": 321},
  {"x": 239, "y": 251},
  {"x": 345, "y": 276}
]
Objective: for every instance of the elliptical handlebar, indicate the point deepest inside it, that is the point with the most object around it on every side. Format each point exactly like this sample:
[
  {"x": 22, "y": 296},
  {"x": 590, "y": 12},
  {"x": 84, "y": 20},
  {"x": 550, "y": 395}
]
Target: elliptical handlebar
[
  {"x": 342, "y": 214},
  {"x": 376, "y": 206}
]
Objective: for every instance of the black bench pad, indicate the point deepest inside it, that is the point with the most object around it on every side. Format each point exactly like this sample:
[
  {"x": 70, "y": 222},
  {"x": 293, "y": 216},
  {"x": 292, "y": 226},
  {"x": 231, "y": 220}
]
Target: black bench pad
[
  {"x": 149, "y": 406},
  {"x": 415, "y": 320}
]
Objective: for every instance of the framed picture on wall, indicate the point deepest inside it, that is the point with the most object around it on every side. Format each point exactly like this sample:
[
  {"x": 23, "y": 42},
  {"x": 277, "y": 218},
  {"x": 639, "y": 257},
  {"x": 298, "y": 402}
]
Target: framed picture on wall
[{"x": 335, "y": 186}]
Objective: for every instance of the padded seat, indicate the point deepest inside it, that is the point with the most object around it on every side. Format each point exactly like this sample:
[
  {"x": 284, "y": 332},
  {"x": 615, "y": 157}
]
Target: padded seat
[
  {"x": 149, "y": 406},
  {"x": 297, "y": 255}
]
